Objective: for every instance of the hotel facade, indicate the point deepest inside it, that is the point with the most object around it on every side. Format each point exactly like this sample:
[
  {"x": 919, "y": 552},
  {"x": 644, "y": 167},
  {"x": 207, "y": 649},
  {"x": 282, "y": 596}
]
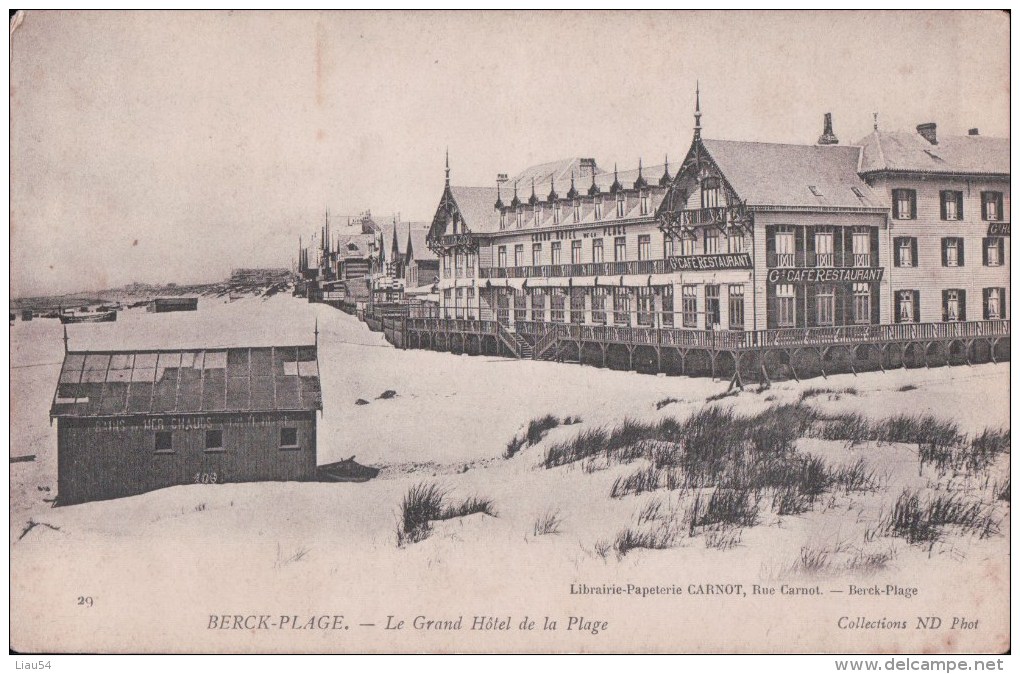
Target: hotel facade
[{"x": 746, "y": 245}]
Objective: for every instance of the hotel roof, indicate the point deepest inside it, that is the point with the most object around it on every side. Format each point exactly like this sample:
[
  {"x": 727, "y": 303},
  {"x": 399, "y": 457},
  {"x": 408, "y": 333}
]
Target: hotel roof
[{"x": 909, "y": 152}]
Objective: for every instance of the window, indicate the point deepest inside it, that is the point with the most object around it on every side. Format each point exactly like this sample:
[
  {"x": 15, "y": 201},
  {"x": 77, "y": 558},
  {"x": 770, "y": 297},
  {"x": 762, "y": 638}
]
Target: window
[
  {"x": 556, "y": 246},
  {"x": 621, "y": 306},
  {"x": 559, "y": 305},
  {"x": 537, "y": 210},
  {"x": 862, "y": 303},
  {"x": 687, "y": 244},
  {"x": 712, "y": 307},
  {"x": 954, "y": 305},
  {"x": 556, "y": 214},
  {"x": 621, "y": 205},
  {"x": 446, "y": 266},
  {"x": 458, "y": 261},
  {"x": 620, "y": 249},
  {"x": 577, "y": 211},
  {"x": 598, "y": 305},
  {"x": 735, "y": 241},
  {"x": 575, "y": 252},
  {"x": 952, "y": 205},
  {"x": 501, "y": 256},
  {"x": 519, "y": 255},
  {"x": 825, "y": 305},
  {"x": 502, "y": 219},
  {"x": 644, "y": 203},
  {"x": 667, "y": 246},
  {"x": 991, "y": 205},
  {"x": 288, "y": 438},
  {"x": 459, "y": 303},
  {"x": 908, "y": 306},
  {"x": 644, "y": 244},
  {"x": 709, "y": 192},
  {"x": 164, "y": 441},
  {"x": 786, "y": 305},
  {"x": 860, "y": 243},
  {"x": 824, "y": 250},
  {"x": 667, "y": 306},
  {"x": 214, "y": 441},
  {"x": 520, "y": 217},
  {"x": 904, "y": 204},
  {"x": 536, "y": 254},
  {"x": 645, "y": 306},
  {"x": 952, "y": 252},
  {"x": 689, "y": 306},
  {"x": 711, "y": 241},
  {"x": 520, "y": 306},
  {"x": 577, "y": 304},
  {"x": 596, "y": 251},
  {"x": 736, "y": 301},
  {"x": 538, "y": 304},
  {"x": 470, "y": 263},
  {"x": 469, "y": 305},
  {"x": 598, "y": 208},
  {"x": 994, "y": 248},
  {"x": 994, "y": 300},
  {"x": 785, "y": 247},
  {"x": 905, "y": 250}
]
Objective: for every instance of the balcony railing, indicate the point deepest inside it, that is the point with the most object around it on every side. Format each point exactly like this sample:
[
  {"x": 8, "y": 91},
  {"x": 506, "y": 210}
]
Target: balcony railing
[
  {"x": 728, "y": 339},
  {"x": 660, "y": 266}
]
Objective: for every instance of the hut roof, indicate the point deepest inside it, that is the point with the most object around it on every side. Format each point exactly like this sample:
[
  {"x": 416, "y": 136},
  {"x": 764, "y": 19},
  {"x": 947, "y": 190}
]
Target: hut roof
[{"x": 247, "y": 379}]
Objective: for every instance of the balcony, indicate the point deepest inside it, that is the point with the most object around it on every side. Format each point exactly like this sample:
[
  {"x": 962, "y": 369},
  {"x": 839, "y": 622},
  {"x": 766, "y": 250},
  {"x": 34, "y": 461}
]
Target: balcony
[{"x": 584, "y": 269}]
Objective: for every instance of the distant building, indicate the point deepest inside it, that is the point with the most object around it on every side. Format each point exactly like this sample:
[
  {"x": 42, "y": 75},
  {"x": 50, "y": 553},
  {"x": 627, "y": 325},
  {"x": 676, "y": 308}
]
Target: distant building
[
  {"x": 129, "y": 422},
  {"x": 263, "y": 276},
  {"x": 164, "y": 304}
]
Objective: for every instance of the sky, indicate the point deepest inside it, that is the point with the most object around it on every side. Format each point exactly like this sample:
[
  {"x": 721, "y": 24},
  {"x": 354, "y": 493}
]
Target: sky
[{"x": 174, "y": 146}]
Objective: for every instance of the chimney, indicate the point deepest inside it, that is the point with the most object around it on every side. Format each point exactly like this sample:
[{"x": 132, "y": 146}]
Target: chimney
[
  {"x": 927, "y": 131},
  {"x": 587, "y": 167},
  {"x": 502, "y": 178},
  {"x": 828, "y": 137},
  {"x": 972, "y": 132}
]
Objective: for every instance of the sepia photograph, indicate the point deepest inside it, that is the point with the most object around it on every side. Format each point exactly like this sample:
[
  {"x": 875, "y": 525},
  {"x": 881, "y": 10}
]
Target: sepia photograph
[{"x": 508, "y": 332}]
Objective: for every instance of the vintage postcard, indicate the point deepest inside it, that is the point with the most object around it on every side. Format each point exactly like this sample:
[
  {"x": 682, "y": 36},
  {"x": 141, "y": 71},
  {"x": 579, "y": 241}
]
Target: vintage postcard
[{"x": 510, "y": 332}]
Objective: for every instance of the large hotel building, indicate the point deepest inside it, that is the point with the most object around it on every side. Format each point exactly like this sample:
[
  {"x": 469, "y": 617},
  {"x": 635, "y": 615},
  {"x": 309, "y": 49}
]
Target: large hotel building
[{"x": 743, "y": 237}]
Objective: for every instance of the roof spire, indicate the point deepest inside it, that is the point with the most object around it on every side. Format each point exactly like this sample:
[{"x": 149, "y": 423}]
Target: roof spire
[
  {"x": 533, "y": 199},
  {"x": 640, "y": 183},
  {"x": 572, "y": 192},
  {"x": 499, "y": 198},
  {"x": 515, "y": 202},
  {"x": 666, "y": 178},
  {"x": 697, "y": 110},
  {"x": 594, "y": 189},
  {"x": 616, "y": 186},
  {"x": 409, "y": 253},
  {"x": 552, "y": 189},
  {"x": 448, "y": 166}
]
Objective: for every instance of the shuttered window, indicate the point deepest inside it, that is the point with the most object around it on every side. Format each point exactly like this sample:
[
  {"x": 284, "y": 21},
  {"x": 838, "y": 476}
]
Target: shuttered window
[
  {"x": 994, "y": 303},
  {"x": 991, "y": 205},
  {"x": 954, "y": 304},
  {"x": 736, "y": 307},
  {"x": 905, "y": 251},
  {"x": 952, "y": 252},
  {"x": 993, "y": 248},
  {"x": 908, "y": 306},
  {"x": 904, "y": 204},
  {"x": 951, "y": 205}
]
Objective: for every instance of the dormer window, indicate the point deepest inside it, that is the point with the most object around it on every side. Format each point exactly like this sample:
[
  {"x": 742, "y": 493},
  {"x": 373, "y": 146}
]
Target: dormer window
[
  {"x": 537, "y": 210},
  {"x": 621, "y": 205},
  {"x": 520, "y": 217},
  {"x": 644, "y": 203},
  {"x": 577, "y": 210},
  {"x": 709, "y": 192},
  {"x": 598, "y": 208},
  {"x": 556, "y": 214},
  {"x": 502, "y": 219}
]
